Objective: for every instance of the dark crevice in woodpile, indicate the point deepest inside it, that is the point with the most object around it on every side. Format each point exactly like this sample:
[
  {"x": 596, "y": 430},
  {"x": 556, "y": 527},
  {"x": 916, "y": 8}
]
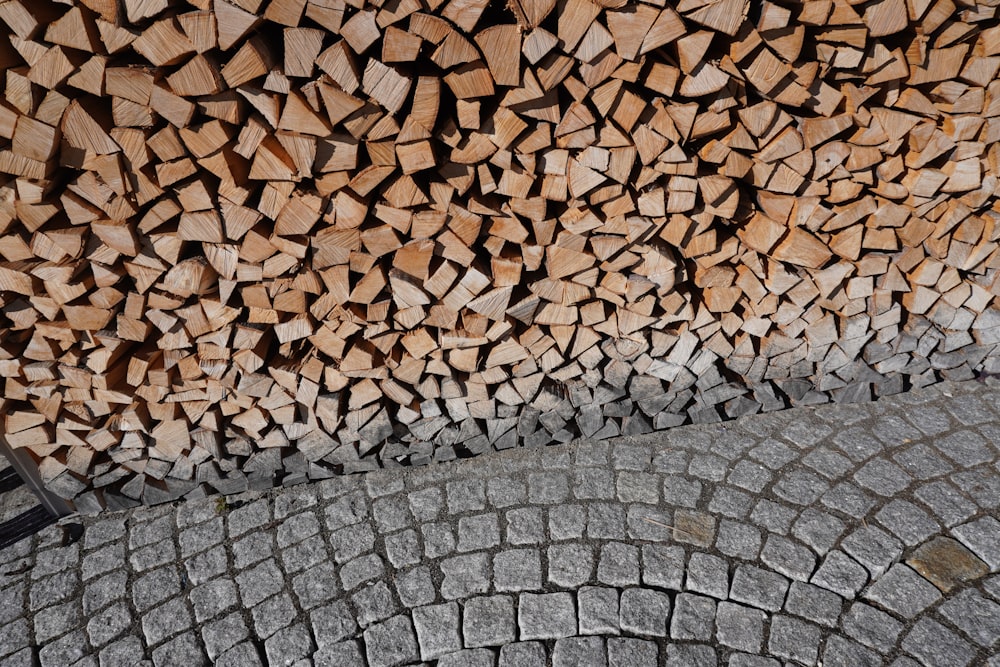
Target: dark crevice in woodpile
[{"x": 249, "y": 242}]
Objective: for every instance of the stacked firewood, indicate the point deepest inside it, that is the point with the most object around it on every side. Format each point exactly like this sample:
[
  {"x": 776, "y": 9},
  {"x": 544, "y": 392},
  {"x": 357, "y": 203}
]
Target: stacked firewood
[{"x": 259, "y": 241}]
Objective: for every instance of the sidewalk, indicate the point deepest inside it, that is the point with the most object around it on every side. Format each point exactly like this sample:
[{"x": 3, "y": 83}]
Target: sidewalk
[{"x": 842, "y": 535}]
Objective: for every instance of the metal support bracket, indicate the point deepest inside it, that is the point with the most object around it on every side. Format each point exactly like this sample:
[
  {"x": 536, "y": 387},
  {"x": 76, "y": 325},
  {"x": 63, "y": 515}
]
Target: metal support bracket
[{"x": 25, "y": 466}]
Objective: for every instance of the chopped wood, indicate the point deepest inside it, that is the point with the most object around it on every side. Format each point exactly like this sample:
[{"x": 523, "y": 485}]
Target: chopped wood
[{"x": 245, "y": 242}]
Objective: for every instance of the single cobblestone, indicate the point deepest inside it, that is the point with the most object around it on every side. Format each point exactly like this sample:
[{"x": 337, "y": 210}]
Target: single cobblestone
[
  {"x": 627, "y": 652},
  {"x": 523, "y": 654},
  {"x": 546, "y": 616},
  {"x": 922, "y": 462},
  {"x": 203, "y": 536},
  {"x": 883, "y": 477},
  {"x": 437, "y": 628},
  {"x": 681, "y": 492},
  {"x": 758, "y": 588},
  {"x": 800, "y": 486},
  {"x": 648, "y": 524},
  {"x": 708, "y": 467},
  {"x": 125, "y": 652},
  {"x": 478, "y": 532},
  {"x": 709, "y": 575},
  {"x": 547, "y": 488},
  {"x": 693, "y": 617},
  {"x": 165, "y": 620},
  {"x": 618, "y": 565},
  {"x": 333, "y": 623},
  {"x": 181, "y": 650},
  {"x": 574, "y": 651},
  {"x": 903, "y": 591},
  {"x": 772, "y": 516},
  {"x": 415, "y": 587},
  {"x": 827, "y": 462},
  {"x": 841, "y": 652},
  {"x": 316, "y": 585},
  {"x": 467, "y": 495},
  {"x": 473, "y": 657},
  {"x": 740, "y": 627},
  {"x": 465, "y": 576},
  {"x": 694, "y": 655},
  {"x": 212, "y": 598},
  {"x": 289, "y": 645},
  {"x": 750, "y": 476},
  {"x": 103, "y": 531},
  {"x": 488, "y": 621},
  {"x": 517, "y": 570},
  {"x": 594, "y": 484},
  {"x": 933, "y": 644},
  {"x": 841, "y": 574},
  {"x": 793, "y": 639},
  {"x": 346, "y": 511},
  {"x": 814, "y": 604},
  {"x": 788, "y": 558},
  {"x": 638, "y": 487},
  {"x": 259, "y": 583},
  {"x": 872, "y": 627},
  {"x": 391, "y": 643},
  {"x": 425, "y": 505},
  {"x": 849, "y": 499},
  {"x": 66, "y": 650},
  {"x": 391, "y": 513},
  {"x": 598, "y": 611},
  {"x": 966, "y": 448},
  {"x": 99, "y": 593},
  {"x": 272, "y": 615},
  {"x": 103, "y": 561},
  {"x": 567, "y": 522},
  {"x": 344, "y": 654},
  {"x": 663, "y": 567},
  {"x": 945, "y": 502},
  {"x": 310, "y": 551},
  {"x": 738, "y": 540},
  {"x": 252, "y": 549},
  {"x": 221, "y": 635},
  {"x": 730, "y": 502},
  {"x": 505, "y": 492},
  {"x": 570, "y": 565},
  {"x": 374, "y": 602},
  {"x": 818, "y": 529},
  {"x": 606, "y": 521},
  {"x": 874, "y": 548},
  {"x": 206, "y": 565},
  {"x": 982, "y": 536},
  {"x": 358, "y": 571},
  {"x": 644, "y": 612},
  {"x": 525, "y": 525}
]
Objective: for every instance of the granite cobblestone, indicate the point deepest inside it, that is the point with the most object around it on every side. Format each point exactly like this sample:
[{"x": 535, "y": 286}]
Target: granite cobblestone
[{"x": 847, "y": 535}]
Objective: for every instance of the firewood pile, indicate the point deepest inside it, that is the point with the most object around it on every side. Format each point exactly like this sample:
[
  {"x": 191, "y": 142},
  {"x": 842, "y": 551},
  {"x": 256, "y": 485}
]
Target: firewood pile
[{"x": 248, "y": 242}]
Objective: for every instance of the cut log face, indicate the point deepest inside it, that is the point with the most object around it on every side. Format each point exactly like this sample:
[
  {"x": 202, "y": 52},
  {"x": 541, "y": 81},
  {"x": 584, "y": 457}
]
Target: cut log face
[{"x": 246, "y": 240}]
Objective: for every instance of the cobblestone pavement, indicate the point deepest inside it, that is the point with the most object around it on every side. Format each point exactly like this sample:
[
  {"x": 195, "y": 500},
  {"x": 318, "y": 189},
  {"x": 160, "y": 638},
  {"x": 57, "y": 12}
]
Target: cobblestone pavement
[{"x": 841, "y": 535}]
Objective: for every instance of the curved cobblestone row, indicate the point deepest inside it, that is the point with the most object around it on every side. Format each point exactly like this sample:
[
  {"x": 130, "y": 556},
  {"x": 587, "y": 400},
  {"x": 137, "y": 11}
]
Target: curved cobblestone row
[{"x": 840, "y": 535}]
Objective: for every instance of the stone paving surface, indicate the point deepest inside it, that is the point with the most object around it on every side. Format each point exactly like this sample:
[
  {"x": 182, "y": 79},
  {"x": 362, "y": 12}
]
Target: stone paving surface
[{"x": 841, "y": 535}]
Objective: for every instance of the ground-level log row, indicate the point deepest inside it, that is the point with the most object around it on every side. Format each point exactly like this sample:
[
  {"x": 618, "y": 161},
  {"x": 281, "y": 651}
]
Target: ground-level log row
[{"x": 258, "y": 241}]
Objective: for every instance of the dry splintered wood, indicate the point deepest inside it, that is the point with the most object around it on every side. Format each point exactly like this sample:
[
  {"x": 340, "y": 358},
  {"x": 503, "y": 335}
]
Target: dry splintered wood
[{"x": 245, "y": 243}]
